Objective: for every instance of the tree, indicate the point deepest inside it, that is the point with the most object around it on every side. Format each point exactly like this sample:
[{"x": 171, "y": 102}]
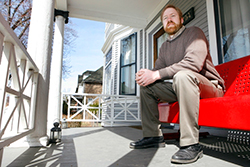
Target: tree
[{"x": 18, "y": 13}]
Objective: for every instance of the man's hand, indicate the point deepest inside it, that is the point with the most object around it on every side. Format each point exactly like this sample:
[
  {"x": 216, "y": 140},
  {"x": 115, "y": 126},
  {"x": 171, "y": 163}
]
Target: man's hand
[{"x": 145, "y": 77}]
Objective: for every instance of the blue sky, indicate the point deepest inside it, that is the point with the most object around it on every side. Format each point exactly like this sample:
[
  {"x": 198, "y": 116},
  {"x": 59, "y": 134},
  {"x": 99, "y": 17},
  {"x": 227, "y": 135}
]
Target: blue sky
[{"x": 86, "y": 53}]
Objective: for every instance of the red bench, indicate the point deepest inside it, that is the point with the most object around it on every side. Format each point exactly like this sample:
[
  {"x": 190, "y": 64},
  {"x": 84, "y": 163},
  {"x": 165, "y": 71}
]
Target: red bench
[{"x": 232, "y": 110}]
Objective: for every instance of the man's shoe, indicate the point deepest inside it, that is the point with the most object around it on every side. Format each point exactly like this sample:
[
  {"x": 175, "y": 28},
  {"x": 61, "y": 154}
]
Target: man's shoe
[
  {"x": 147, "y": 142},
  {"x": 187, "y": 154}
]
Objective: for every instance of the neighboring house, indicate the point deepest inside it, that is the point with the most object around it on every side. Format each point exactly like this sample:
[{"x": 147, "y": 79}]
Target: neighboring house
[
  {"x": 90, "y": 82},
  {"x": 127, "y": 50}
]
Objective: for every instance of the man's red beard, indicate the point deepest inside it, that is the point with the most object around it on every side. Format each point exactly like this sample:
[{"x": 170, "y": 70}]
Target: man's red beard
[{"x": 174, "y": 29}]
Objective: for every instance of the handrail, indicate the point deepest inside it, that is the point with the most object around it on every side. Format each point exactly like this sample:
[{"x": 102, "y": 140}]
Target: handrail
[
  {"x": 107, "y": 109},
  {"x": 18, "y": 87},
  {"x": 10, "y": 36}
]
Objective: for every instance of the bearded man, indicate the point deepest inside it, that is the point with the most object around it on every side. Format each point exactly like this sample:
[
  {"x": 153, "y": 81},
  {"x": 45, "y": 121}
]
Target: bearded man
[{"x": 185, "y": 59}]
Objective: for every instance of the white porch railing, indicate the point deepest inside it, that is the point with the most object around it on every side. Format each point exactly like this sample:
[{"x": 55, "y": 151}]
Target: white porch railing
[
  {"x": 18, "y": 80},
  {"x": 107, "y": 109}
]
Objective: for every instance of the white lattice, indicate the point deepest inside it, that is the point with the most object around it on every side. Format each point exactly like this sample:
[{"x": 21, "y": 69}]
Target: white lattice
[{"x": 18, "y": 82}]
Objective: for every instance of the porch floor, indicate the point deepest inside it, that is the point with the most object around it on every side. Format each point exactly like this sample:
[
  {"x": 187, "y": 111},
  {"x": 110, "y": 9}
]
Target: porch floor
[{"x": 109, "y": 147}]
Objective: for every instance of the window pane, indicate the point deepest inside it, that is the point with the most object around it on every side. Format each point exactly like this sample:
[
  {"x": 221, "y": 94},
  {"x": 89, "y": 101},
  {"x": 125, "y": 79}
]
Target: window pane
[
  {"x": 160, "y": 41},
  {"x": 128, "y": 80},
  {"x": 108, "y": 56},
  {"x": 235, "y": 25},
  {"x": 128, "y": 49}
]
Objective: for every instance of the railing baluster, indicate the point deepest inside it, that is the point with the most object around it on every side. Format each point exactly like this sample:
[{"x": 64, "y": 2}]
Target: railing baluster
[{"x": 4, "y": 68}]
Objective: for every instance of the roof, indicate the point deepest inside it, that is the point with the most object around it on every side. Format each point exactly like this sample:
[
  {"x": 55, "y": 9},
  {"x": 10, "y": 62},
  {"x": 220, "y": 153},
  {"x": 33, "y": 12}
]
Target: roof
[{"x": 95, "y": 77}]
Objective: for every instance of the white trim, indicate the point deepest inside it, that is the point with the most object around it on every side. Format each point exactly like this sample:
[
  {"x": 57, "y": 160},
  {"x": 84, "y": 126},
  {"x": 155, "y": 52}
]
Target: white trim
[
  {"x": 117, "y": 63},
  {"x": 158, "y": 9},
  {"x": 212, "y": 31},
  {"x": 103, "y": 16},
  {"x": 61, "y": 5},
  {"x": 139, "y": 36},
  {"x": 150, "y": 33},
  {"x": 117, "y": 33}
]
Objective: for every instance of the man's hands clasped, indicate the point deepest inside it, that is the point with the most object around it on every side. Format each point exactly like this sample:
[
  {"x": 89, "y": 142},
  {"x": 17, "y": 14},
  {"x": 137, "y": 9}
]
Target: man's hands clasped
[{"x": 145, "y": 77}]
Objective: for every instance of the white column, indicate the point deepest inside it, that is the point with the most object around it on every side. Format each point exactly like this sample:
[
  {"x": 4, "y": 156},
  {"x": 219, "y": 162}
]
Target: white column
[
  {"x": 54, "y": 113},
  {"x": 39, "y": 48}
]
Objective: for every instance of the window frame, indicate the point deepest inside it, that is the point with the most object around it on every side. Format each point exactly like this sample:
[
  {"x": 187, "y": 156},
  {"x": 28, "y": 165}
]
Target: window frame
[
  {"x": 127, "y": 65},
  {"x": 157, "y": 35}
]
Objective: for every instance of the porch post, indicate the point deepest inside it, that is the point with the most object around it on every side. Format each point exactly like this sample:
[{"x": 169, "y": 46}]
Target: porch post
[
  {"x": 39, "y": 48},
  {"x": 61, "y": 17}
]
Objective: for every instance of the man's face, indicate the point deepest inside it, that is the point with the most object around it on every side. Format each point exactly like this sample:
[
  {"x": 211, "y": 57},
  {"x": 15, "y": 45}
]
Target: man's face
[{"x": 171, "y": 21}]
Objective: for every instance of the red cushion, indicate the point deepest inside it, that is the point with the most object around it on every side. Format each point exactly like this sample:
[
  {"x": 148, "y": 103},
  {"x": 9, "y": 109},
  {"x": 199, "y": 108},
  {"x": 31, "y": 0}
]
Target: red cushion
[{"x": 224, "y": 112}]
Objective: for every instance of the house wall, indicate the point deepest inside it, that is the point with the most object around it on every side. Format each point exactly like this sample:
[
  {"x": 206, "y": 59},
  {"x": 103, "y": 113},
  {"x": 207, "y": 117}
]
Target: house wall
[{"x": 93, "y": 88}]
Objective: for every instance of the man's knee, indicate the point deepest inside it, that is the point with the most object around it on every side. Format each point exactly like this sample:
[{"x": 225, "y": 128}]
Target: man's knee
[
  {"x": 183, "y": 76},
  {"x": 184, "y": 79},
  {"x": 142, "y": 89}
]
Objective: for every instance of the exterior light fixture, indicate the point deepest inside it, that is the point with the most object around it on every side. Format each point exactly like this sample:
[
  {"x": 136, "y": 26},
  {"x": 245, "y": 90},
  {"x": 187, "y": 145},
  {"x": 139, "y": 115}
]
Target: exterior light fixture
[{"x": 55, "y": 133}]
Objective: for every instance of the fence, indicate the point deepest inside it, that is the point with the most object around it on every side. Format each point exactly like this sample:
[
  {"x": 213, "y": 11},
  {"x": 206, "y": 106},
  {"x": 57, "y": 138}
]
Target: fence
[
  {"x": 107, "y": 109},
  {"x": 18, "y": 84}
]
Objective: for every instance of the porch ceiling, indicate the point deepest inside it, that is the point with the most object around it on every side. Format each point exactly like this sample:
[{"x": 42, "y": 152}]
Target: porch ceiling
[{"x": 134, "y": 13}]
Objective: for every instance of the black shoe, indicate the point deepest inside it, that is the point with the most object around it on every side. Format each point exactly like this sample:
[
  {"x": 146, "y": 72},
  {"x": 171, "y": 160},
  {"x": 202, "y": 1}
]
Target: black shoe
[
  {"x": 147, "y": 142},
  {"x": 187, "y": 154}
]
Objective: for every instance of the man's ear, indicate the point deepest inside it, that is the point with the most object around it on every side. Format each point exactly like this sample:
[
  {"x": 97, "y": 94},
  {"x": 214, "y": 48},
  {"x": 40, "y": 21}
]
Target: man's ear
[{"x": 182, "y": 20}]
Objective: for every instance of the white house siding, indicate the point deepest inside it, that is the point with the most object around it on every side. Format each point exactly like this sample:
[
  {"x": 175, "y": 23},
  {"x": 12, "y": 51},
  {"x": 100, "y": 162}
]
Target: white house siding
[{"x": 115, "y": 55}]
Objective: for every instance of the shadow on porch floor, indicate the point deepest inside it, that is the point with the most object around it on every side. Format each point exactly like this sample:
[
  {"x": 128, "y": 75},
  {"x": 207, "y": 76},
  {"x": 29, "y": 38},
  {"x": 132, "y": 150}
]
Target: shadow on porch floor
[{"x": 109, "y": 147}]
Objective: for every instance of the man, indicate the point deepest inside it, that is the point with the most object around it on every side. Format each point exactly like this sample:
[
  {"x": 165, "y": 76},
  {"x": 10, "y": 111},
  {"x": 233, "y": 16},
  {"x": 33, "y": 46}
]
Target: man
[{"x": 185, "y": 58}]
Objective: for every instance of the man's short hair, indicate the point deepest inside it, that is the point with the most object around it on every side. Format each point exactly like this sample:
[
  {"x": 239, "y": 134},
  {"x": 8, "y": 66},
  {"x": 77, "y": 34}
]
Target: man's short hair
[{"x": 171, "y": 6}]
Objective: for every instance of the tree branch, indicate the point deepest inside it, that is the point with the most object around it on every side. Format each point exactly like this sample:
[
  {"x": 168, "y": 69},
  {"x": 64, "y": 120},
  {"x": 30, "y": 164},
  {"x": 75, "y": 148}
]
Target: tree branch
[
  {"x": 9, "y": 12},
  {"x": 23, "y": 31},
  {"x": 19, "y": 21},
  {"x": 16, "y": 9}
]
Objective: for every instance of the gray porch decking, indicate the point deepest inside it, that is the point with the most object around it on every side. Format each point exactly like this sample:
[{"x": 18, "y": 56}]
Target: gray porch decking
[{"x": 109, "y": 147}]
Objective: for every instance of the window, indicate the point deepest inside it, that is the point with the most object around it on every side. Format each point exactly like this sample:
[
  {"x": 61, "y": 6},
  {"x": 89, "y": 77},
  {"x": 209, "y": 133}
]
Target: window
[
  {"x": 159, "y": 38},
  {"x": 128, "y": 65},
  {"x": 108, "y": 66},
  {"x": 108, "y": 57},
  {"x": 234, "y": 29}
]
